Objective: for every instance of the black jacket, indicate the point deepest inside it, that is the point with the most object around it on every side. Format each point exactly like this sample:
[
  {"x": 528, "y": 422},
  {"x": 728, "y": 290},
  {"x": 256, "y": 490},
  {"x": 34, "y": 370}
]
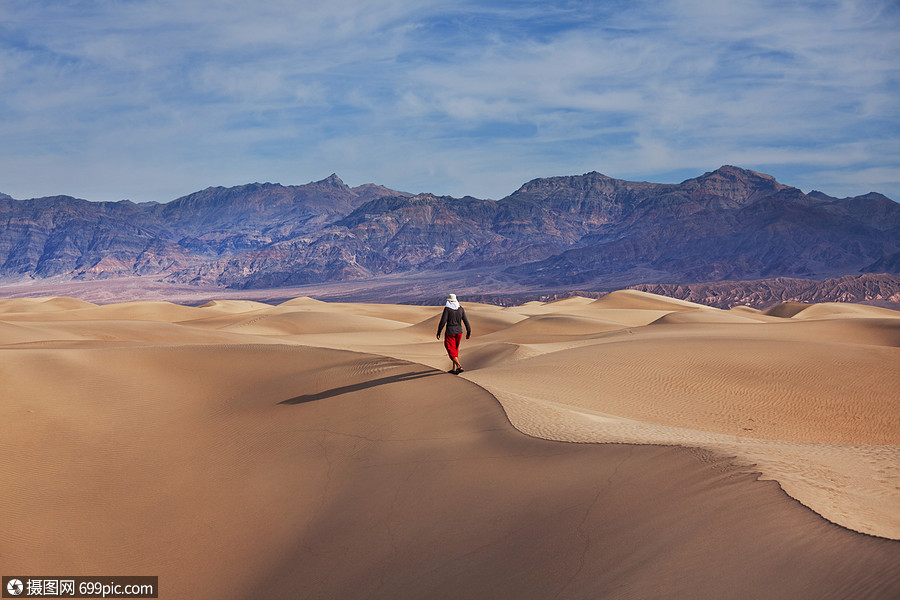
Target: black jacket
[{"x": 454, "y": 319}]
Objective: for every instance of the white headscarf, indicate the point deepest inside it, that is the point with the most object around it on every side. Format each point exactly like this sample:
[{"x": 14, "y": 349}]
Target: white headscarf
[{"x": 451, "y": 302}]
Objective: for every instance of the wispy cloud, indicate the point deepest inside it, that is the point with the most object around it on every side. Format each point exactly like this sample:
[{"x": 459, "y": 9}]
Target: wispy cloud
[{"x": 151, "y": 100}]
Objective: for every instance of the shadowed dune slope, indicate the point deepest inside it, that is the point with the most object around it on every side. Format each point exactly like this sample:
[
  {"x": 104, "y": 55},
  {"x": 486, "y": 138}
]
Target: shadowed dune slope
[{"x": 787, "y": 309}]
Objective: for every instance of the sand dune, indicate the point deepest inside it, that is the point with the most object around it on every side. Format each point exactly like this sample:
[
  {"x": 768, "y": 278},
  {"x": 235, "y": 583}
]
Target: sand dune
[
  {"x": 834, "y": 310},
  {"x": 547, "y": 328},
  {"x": 306, "y": 322},
  {"x": 16, "y": 333},
  {"x": 157, "y": 311},
  {"x": 302, "y": 301},
  {"x": 706, "y": 316},
  {"x": 30, "y": 306},
  {"x": 488, "y": 321},
  {"x": 700, "y": 383},
  {"x": 637, "y": 300},
  {"x": 318, "y": 450},
  {"x": 568, "y": 302},
  {"x": 787, "y": 309},
  {"x": 234, "y": 306}
]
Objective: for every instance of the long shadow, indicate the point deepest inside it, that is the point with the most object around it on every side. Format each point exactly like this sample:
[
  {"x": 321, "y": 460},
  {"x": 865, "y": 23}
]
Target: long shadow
[{"x": 346, "y": 389}]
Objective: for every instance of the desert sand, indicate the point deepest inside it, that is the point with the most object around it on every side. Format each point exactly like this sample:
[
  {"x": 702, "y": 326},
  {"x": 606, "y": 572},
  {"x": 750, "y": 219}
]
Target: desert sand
[{"x": 634, "y": 446}]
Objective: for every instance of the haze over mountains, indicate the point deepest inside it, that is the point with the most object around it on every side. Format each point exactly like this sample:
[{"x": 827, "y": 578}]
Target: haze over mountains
[{"x": 586, "y": 232}]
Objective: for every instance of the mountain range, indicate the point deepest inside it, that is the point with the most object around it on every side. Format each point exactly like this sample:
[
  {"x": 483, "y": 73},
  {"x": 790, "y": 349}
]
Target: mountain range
[{"x": 589, "y": 232}]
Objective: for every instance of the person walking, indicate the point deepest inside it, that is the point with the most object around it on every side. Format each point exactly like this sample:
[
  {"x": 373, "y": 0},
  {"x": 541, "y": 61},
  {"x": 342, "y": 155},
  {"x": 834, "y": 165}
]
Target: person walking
[{"x": 454, "y": 316}]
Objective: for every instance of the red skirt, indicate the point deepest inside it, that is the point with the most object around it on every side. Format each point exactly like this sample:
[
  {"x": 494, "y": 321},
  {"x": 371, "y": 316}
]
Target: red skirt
[{"x": 451, "y": 343}]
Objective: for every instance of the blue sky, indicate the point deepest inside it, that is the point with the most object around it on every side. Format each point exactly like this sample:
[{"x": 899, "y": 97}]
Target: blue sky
[{"x": 152, "y": 100}]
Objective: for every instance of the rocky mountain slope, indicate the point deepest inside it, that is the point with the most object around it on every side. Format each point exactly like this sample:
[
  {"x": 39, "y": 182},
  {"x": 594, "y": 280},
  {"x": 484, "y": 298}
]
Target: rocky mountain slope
[
  {"x": 577, "y": 232},
  {"x": 869, "y": 288},
  {"x": 73, "y": 238}
]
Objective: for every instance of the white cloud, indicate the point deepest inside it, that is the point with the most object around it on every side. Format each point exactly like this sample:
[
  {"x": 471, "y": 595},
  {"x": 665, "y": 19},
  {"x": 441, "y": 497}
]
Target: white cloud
[
  {"x": 459, "y": 98},
  {"x": 875, "y": 177}
]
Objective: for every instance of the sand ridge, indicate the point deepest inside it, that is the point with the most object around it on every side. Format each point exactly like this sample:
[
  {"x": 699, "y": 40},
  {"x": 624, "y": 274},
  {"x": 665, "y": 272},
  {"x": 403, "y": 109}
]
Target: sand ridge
[
  {"x": 817, "y": 382},
  {"x": 270, "y": 441}
]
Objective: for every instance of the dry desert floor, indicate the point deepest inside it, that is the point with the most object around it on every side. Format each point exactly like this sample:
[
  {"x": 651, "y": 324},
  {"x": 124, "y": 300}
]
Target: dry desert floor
[{"x": 634, "y": 446}]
